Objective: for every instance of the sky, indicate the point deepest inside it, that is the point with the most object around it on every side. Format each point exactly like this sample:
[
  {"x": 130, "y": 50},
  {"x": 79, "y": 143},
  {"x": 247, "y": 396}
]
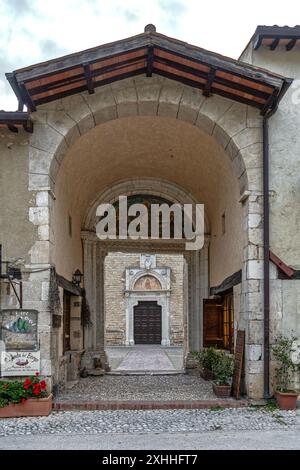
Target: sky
[{"x": 32, "y": 31}]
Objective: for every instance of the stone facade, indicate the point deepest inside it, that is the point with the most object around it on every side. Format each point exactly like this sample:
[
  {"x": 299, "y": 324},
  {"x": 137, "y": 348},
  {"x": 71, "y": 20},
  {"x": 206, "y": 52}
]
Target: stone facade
[{"x": 115, "y": 300}]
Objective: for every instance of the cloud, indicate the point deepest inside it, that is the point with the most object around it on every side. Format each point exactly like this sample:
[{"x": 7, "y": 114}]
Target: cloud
[
  {"x": 173, "y": 6},
  {"x": 19, "y": 8},
  {"x": 51, "y": 49}
]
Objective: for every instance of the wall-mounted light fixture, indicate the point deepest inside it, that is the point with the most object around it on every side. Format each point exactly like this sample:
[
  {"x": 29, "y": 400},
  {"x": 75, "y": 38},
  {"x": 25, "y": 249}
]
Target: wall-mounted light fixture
[{"x": 77, "y": 277}]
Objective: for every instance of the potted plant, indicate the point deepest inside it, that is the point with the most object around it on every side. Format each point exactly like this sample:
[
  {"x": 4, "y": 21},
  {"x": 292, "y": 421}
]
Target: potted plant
[
  {"x": 207, "y": 359},
  {"x": 282, "y": 351},
  {"x": 28, "y": 397},
  {"x": 223, "y": 370}
]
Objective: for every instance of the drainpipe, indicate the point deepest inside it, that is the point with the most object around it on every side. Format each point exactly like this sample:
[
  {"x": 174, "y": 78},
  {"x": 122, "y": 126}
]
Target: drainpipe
[
  {"x": 266, "y": 241},
  {"x": 266, "y": 257}
]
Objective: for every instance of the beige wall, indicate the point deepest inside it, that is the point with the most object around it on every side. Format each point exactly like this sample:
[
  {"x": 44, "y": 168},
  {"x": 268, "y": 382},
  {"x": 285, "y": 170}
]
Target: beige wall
[
  {"x": 115, "y": 318},
  {"x": 284, "y": 153},
  {"x": 16, "y": 232}
]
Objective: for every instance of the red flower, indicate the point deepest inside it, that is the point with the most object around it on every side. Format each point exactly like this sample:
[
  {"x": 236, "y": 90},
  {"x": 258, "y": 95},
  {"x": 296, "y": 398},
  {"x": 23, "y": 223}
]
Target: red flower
[
  {"x": 43, "y": 384},
  {"x": 23, "y": 400},
  {"x": 37, "y": 374},
  {"x": 36, "y": 391},
  {"x": 27, "y": 382},
  {"x": 26, "y": 387}
]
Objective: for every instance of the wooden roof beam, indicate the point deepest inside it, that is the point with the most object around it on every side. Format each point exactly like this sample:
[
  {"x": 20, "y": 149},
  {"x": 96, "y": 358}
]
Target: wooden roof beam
[
  {"x": 274, "y": 44},
  {"x": 88, "y": 78},
  {"x": 26, "y": 98},
  {"x": 291, "y": 44},
  {"x": 207, "y": 87},
  {"x": 150, "y": 58}
]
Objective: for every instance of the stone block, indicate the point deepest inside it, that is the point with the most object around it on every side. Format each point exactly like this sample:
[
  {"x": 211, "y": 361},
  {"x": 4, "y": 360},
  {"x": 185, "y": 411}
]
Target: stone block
[
  {"x": 39, "y": 253},
  {"x": 45, "y": 138},
  {"x": 42, "y": 198},
  {"x": 60, "y": 121},
  {"x": 127, "y": 109},
  {"x": 39, "y": 161},
  {"x": 171, "y": 94},
  {"x": 43, "y": 232},
  {"x": 38, "y": 182},
  {"x": 252, "y": 155},
  {"x": 254, "y": 118},
  {"x": 248, "y": 136},
  {"x": 206, "y": 124},
  {"x": 238, "y": 166},
  {"x": 214, "y": 107},
  {"x": 148, "y": 108},
  {"x": 255, "y": 269},
  {"x": 255, "y": 354},
  {"x": 221, "y": 137},
  {"x": 256, "y": 332},
  {"x": 45, "y": 290},
  {"x": 39, "y": 215},
  {"x": 255, "y": 386},
  {"x": 168, "y": 110},
  {"x": 233, "y": 119}
]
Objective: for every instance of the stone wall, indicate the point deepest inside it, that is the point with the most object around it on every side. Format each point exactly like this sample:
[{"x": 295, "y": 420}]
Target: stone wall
[{"x": 115, "y": 317}]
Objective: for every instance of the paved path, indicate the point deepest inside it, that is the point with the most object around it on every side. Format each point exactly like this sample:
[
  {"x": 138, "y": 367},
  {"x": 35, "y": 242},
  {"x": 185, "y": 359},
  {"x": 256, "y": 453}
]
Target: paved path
[
  {"x": 142, "y": 358},
  {"x": 164, "y": 429}
]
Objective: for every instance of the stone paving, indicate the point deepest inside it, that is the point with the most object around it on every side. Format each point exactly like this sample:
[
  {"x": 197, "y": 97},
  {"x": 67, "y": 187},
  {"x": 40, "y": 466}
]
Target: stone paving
[
  {"x": 139, "y": 387},
  {"x": 145, "y": 358},
  {"x": 149, "y": 422}
]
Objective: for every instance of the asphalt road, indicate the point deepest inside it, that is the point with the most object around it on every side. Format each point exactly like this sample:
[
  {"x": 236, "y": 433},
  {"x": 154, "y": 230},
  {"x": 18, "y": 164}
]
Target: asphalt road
[{"x": 273, "y": 440}]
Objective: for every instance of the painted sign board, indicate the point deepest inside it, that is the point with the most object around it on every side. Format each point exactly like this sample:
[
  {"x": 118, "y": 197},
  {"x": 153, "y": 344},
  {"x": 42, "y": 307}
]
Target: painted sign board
[
  {"x": 15, "y": 363},
  {"x": 19, "y": 329}
]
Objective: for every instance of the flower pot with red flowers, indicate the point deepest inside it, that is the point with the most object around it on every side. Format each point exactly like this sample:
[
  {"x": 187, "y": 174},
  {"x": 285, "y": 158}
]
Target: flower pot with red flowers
[
  {"x": 28, "y": 397},
  {"x": 283, "y": 349},
  {"x": 223, "y": 370}
]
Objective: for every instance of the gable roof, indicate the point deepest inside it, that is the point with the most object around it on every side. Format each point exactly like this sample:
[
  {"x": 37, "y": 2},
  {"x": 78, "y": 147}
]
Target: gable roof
[{"x": 148, "y": 53}]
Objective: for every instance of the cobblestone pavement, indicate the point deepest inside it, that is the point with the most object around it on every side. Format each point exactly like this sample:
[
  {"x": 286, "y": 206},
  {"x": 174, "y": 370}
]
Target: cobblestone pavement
[
  {"x": 150, "y": 422},
  {"x": 139, "y": 387}
]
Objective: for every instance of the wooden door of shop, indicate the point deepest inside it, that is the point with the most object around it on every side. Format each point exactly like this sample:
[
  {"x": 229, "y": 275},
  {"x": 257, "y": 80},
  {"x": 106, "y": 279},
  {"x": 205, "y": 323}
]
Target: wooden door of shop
[{"x": 147, "y": 323}]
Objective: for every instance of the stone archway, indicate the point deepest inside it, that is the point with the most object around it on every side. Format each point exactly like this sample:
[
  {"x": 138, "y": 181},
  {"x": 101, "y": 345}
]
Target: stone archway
[{"x": 235, "y": 127}]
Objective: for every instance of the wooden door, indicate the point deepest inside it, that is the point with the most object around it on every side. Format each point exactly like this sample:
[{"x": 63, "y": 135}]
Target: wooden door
[
  {"x": 213, "y": 323},
  {"x": 67, "y": 322},
  {"x": 147, "y": 323}
]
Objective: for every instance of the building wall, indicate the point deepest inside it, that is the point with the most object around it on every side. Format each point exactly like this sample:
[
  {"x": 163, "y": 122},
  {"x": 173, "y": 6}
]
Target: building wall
[{"x": 115, "y": 320}]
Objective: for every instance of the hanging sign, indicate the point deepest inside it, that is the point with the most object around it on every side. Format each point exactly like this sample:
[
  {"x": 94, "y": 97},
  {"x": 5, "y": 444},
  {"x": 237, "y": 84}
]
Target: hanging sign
[
  {"x": 20, "y": 363},
  {"x": 19, "y": 329}
]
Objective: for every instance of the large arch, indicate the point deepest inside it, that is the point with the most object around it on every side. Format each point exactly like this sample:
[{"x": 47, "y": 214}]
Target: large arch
[{"x": 234, "y": 129}]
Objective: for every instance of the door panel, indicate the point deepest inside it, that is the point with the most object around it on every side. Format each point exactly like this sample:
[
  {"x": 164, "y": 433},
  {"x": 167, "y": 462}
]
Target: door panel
[
  {"x": 212, "y": 323},
  {"x": 147, "y": 323}
]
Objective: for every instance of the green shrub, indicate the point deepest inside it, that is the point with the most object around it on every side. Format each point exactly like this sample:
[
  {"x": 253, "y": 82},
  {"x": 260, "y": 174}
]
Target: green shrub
[
  {"x": 208, "y": 357},
  {"x": 282, "y": 351},
  {"x": 223, "y": 368}
]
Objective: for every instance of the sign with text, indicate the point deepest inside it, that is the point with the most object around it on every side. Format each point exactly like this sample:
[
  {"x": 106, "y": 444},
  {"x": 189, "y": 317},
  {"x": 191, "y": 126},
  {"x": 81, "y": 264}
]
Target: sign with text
[
  {"x": 19, "y": 329},
  {"x": 20, "y": 363}
]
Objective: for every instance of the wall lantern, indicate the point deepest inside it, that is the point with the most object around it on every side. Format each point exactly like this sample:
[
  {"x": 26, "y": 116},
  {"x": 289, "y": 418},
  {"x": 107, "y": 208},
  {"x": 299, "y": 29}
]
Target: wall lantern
[{"x": 77, "y": 277}]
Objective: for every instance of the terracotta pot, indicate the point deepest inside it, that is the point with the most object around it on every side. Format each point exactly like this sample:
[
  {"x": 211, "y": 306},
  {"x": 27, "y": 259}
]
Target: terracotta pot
[
  {"x": 222, "y": 391},
  {"x": 286, "y": 401},
  {"x": 207, "y": 374},
  {"x": 32, "y": 407}
]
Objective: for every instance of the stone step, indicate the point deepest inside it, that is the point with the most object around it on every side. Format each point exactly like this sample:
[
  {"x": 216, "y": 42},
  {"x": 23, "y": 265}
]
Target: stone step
[{"x": 148, "y": 405}]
